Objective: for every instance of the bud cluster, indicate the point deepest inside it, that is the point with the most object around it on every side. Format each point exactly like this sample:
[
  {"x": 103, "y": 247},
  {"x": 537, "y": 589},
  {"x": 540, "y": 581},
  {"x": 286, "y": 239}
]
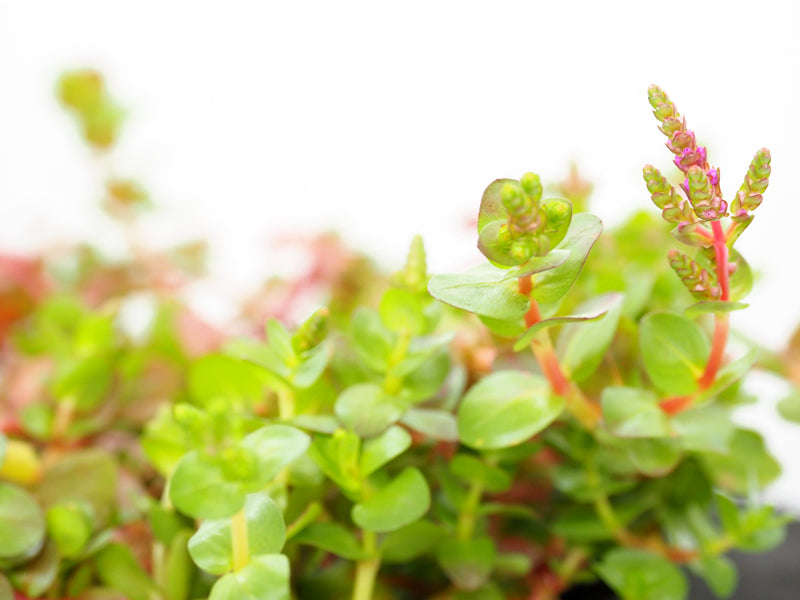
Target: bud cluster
[
  {"x": 702, "y": 284},
  {"x": 84, "y": 92},
  {"x": 532, "y": 228},
  {"x": 701, "y": 185}
]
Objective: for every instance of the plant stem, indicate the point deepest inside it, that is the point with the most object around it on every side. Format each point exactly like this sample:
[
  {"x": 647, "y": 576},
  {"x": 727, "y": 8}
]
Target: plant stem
[
  {"x": 466, "y": 518},
  {"x": 239, "y": 541},
  {"x": 366, "y": 569},
  {"x": 582, "y": 408},
  {"x": 721, "y": 320},
  {"x": 285, "y": 403},
  {"x": 391, "y": 382},
  {"x": 311, "y": 512}
]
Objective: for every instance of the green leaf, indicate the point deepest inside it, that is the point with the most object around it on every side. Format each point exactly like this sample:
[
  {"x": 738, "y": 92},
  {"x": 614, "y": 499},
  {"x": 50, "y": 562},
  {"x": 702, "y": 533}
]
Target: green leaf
[
  {"x": 581, "y": 525},
  {"x": 589, "y": 315},
  {"x": 220, "y": 377},
  {"x": 427, "y": 379},
  {"x": 198, "y": 488},
  {"x": 264, "y": 578},
  {"x": 552, "y": 285},
  {"x": 436, "y": 424},
  {"x": 471, "y": 469},
  {"x": 490, "y": 591},
  {"x": 492, "y": 208},
  {"x": 22, "y": 524},
  {"x": 730, "y": 374},
  {"x": 704, "y": 429},
  {"x": 581, "y": 346},
  {"x": 633, "y": 413},
  {"x": 70, "y": 526},
  {"x": 400, "y": 502},
  {"x": 654, "y": 457},
  {"x": 747, "y": 467},
  {"x": 380, "y": 450},
  {"x": 506, "y": 408},
  {"x": 675, "y": 351},
  {"x": 118, "y": 568},
  {"x": 789, "y": 407},
  {"x": 337, "y": 455},
  {"x": 178, "y": 569},
  {"x": 538, "y": 264},
  {"x": 468, "y": 563},
  {"x": 638, "y": 575},
  {"x": 481, "y": 290},
  {"x": 333, "y": 538},
  {"x": 211, "y": 548},
  {"x": 275, "y": 447},
  {"x": 38, "y": 574},
  {"x": 280, "y": 341},
  {"x": 410, "y": 542},
  {"x": 403, "y": 311},
  {"x": 85, "y": 381},
  {"x": 371, "y": 340},
  {"x": 719, "y": 572},
  {"x": 311, "y": 367},
  {"x": 741, "y": 280},
  {"x": 712, "y": 306},
  {"x": 367, "y": 409}
]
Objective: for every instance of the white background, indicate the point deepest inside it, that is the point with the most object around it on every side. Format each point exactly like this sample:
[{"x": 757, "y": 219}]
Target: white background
[{"x": 382, "y": 120}]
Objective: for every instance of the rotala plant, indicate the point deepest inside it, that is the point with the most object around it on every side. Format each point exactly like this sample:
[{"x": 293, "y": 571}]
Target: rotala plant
[{"x": 556, "y": 415}]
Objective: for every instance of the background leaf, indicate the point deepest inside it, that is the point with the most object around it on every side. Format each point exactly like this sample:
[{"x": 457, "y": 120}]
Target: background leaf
[
  {"x": 211, "y": 548},
  {"x": 506, "y": 408},
  {"x": 264, "y": 578},
  {"x": 675, "y": 351},
  {"x": 480, "y": 290},
  {"x": 22, "y": 524},
  {"x": 638, "y": 575},
  {"x": 400, "y": 502}
]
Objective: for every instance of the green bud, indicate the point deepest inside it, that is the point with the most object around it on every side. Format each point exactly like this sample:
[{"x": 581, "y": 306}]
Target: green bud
[
  {"x": 511, "y": 196},
  {"x": 312, "y": 332},
  {"x": 557, "y": 212},
  {"x": 522, "y": 250},
  {"x": 414, "y": 277},
  {"x": 81, "y": 90},
  {"x": 532, "y": 185}
]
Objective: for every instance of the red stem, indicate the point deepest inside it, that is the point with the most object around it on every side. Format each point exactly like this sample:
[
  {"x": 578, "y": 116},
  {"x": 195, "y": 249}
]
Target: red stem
[
  {"x": 543, "y": 351},
  {"x": 720, "y": 320}
]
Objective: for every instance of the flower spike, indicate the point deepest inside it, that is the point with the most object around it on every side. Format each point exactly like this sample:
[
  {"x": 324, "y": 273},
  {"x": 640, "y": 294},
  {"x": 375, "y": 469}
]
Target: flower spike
[{"x": 701, "y": 283}]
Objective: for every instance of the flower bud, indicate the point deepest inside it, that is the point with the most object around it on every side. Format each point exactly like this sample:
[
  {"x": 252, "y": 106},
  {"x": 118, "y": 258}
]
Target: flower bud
[
  {"x": 749, "y": 196},
  {"x": 707, "y": 205},
  {"x": 532, "y": 185},
  {"x": 690, "y": 157},
  {"x": 701, "y": 283},
  {"x": 312, "y": 332},
  {"x": 680, "y": 141}
]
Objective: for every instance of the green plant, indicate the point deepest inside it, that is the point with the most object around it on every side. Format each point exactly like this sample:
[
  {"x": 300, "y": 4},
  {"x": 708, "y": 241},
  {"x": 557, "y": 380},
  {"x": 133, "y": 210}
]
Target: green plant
[{"x": 556, "y": 415}]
